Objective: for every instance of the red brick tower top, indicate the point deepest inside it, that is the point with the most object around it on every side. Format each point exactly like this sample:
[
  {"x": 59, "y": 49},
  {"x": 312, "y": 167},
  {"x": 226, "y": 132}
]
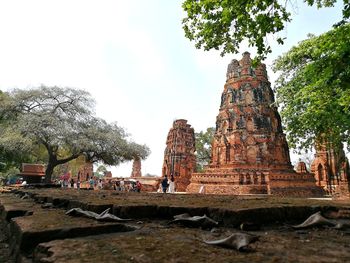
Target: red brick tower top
[{"x": 248, "y": 127}]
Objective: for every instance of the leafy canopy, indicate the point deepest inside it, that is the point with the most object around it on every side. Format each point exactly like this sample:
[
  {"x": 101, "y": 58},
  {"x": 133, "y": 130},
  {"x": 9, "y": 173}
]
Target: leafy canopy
[
  {"x": 313, "y": 88},
  {"x": 224, "y": 24}
]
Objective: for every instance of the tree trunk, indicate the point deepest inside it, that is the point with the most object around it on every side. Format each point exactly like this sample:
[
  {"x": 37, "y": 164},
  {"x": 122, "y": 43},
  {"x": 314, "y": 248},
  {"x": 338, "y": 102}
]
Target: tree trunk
[
  {"x": 48, "y": 172},
  {"x": 53, "y": 162}
]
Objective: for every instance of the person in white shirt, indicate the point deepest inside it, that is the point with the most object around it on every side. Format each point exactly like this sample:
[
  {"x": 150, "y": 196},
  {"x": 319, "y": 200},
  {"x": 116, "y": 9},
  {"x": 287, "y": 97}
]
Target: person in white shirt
[
  {"x": 171, "y": 188},
  {"x": 122, "y": 185}
]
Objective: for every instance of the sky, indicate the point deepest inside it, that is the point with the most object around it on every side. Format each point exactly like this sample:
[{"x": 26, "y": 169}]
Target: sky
[{"x": 133, "y": 58}]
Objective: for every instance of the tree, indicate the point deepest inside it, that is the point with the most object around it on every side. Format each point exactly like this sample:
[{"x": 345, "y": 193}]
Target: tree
[
  {"x": 63, "y": 122},
  {"x": 203, "y": 148},
  {"x": 100, "y": 171},
  {"x": 313, "y": 89},
  {"x": 224, "y": 24}
]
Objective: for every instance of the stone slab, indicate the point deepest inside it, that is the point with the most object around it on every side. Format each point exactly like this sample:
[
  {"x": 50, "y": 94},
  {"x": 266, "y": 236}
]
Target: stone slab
[{"x": 54, "y": 224}]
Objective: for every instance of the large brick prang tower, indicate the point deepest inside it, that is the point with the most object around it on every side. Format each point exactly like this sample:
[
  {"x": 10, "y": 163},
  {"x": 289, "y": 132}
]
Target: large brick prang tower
[
  {"x": 248, "y": 128},
  {"x": 179, "y": 159},
  {"x": 250, "y": 154}
]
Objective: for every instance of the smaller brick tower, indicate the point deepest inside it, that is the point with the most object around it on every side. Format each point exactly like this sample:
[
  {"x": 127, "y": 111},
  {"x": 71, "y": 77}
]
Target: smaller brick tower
[
  {"x": 136, "y": 168},
  {"x": 179, "y": 159},
  {"x": 331, "y": 169},
  {"x": 301, "y": 168}
]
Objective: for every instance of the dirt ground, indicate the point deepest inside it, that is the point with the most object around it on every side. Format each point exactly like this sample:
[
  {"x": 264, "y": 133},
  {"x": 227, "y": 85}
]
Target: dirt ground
[
  {"x": 177, "y": 244},
  {"x": 42, "y": 232},
  {"x": 4, "y": 245}
]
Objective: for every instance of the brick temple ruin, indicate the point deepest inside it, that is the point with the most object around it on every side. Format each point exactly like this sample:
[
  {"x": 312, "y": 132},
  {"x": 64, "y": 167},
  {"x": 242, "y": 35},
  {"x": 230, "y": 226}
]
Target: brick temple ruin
[
  {"x": 84, "y": 169},
  {"x": 149, "y": 183},
  {"x": 331, "y": 169},
  {"x": 136, "y": 168},
  {"x": 32, "y": 173},
  {"x": 250, "y": 154},
  {"x": 179, "y": 158}
]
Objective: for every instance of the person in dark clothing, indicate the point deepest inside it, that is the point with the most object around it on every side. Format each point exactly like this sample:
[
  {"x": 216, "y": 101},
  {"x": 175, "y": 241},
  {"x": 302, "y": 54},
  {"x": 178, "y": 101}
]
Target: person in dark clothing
[
  {"x": 165, "y": 184},
  {"x": 138, "y": 186}
]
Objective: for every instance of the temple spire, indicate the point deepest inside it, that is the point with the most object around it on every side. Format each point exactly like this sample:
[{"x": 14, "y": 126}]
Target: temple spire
[{"x": 250, "y": 153}]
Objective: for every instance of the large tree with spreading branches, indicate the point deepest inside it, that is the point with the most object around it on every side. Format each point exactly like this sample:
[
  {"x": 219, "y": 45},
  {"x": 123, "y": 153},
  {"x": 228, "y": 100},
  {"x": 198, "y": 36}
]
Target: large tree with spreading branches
[{"x": 62, "y": 120}]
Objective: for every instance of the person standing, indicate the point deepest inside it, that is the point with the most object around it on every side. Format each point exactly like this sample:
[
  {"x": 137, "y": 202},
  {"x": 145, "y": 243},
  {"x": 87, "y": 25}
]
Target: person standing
[
  {"x": 78, "y": 180},
  {"x": 165, "y": 184},
  {"x": 92, "y": 183},
  {"x": 138, "y": 186},
  {"x": 99, "y": 184},
  {"x": 122, "y": 185},
  {"x": 171, "y": 188}
]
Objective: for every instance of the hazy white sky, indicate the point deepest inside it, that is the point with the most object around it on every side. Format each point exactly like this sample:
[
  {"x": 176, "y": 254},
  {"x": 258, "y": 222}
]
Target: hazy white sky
[{"x": 132, "y": 57}]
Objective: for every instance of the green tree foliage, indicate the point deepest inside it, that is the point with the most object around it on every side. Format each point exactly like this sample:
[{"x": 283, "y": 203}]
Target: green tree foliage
[
  {"x": 224, "y": 24},
  {"x": 62, "y": 120},
  {"x": 10, "y": 160},
  {"x": 313, "y": 89},
  {"x": 203, "y": 147},
  {"x": 100, "y": 171}
]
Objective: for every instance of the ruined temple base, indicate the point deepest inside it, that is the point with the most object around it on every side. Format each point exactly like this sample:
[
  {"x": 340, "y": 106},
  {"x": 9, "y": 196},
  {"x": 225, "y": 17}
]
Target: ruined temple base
[
  {"x": 342, "y": 191},
  {"x": 229, "y": 182}
]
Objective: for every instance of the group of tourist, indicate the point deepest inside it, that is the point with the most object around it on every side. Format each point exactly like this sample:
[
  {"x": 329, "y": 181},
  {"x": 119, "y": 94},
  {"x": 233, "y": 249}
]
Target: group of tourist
[
  {"x": 131, "y": 186},
  {"x": 93, "y": 183}
]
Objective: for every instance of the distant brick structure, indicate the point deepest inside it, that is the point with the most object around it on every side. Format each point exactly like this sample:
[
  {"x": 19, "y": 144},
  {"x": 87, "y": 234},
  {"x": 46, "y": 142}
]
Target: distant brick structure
[
  {"x": 85, "y": 169},
  {"x": 32, "y": 173},
  {"x": 331, "y": 169},
  {"x": 108, "y": 174},
  {"x": 250, "y": 154},
  {"x": 136, "y": 168},
  {"x": 179, "y": 159},
  {"x": 301, "y": 168}
]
